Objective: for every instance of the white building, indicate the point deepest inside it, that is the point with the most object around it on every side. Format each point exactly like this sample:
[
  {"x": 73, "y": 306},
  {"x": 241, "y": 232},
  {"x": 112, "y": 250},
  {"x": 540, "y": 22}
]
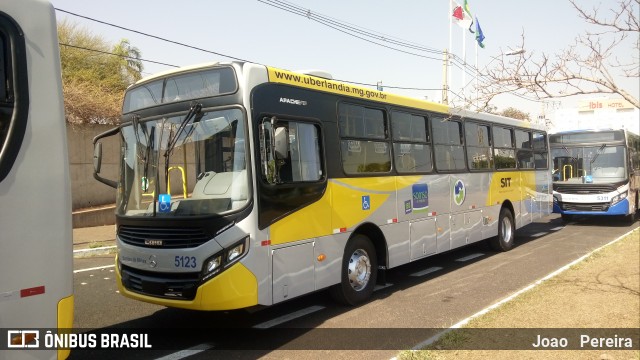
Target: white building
[{"x": 599, "y": 113}]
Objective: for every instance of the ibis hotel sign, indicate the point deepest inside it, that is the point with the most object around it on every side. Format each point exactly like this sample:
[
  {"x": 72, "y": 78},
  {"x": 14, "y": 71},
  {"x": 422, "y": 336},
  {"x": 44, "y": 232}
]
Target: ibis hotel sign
[{"x": 597, "y": 104}]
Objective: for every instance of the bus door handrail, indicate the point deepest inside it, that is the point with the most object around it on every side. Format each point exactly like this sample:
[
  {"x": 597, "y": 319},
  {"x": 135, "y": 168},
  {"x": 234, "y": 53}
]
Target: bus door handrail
[{"x": 184, "y": 182}]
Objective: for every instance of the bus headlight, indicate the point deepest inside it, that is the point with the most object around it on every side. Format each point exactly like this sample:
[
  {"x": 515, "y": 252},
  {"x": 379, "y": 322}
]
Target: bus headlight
[
  {"x": 235, "y": 252},
  {"x": 223, "y": 259},
  {"x": 618, "y": 198},
  {"x": 213, "y": 264}
]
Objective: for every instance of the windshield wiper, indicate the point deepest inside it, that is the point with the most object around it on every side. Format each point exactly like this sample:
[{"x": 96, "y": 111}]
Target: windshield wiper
[
  {"x": 195, "y": 110},
  {"x": 598, "y": 152},
  {"x": 149, "y": 142}
]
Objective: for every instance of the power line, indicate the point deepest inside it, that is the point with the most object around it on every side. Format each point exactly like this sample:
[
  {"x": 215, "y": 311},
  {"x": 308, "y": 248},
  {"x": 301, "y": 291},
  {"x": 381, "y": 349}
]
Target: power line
[
  {"x": 152, "y": 36},
  {"x": 311, "y": 15},
  {"x": 197, "y": 48},
  {"x": 346, "y": 28},
  {"x": 323, "y": 20},
  {"x": 119, "y": 55},
  {"x": 361, "y": 33}
]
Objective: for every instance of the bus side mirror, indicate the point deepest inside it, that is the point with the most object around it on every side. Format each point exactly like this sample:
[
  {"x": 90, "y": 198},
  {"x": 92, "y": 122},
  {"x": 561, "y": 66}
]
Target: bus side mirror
[{"x": 97, "y": 157}]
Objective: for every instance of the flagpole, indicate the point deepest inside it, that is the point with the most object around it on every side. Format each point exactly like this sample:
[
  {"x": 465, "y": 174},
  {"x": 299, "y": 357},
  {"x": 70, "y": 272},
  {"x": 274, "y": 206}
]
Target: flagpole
[
  {"x": 448, "y": 53},
  {"x": 477, "y": 102},
  {"x": 464, "y": 64}
]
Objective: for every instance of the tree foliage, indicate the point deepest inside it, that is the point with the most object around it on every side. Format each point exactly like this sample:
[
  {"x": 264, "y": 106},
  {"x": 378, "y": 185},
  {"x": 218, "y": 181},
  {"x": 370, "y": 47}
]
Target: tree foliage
[
  {"x": 93, "y": 78},
  {"x": 589, "y": 66},
  {"x": 515, "y": 114}
]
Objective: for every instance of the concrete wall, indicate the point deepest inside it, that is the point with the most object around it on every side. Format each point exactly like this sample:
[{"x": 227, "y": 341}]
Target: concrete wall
[
  {"x": 86, "y": 192},
  {"x": 92, "y": 200}
]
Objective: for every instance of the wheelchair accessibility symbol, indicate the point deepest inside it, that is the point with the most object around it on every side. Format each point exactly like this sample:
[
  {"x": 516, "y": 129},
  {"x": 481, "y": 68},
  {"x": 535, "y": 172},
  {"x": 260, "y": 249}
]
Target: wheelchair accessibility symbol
[
  {"x": 366, "y": 202},
  {"x": 164, "y": 203}
]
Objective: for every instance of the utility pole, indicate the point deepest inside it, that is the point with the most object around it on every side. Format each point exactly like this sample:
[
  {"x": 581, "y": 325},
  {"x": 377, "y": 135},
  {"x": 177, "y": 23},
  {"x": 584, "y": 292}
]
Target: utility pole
[{"x": 445, "y": 85}]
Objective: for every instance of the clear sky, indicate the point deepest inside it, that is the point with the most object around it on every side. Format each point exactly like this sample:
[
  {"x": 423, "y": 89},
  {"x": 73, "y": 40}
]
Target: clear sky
[{"x": 255, "y": 31}]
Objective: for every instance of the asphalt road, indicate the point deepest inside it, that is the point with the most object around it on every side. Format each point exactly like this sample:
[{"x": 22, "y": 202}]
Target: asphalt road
[{"x": 420, "y": 299}]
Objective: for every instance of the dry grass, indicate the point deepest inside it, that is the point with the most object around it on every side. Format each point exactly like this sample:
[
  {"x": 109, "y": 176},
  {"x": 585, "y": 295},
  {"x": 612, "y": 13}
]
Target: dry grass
[{"x": 601, "y": 292}]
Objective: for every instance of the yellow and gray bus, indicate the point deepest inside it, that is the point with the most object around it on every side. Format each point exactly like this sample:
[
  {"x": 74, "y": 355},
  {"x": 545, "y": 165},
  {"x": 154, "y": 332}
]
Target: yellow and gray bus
[
  {"x": 243, "y": 185},
  {"x": 36, "y": 269}
]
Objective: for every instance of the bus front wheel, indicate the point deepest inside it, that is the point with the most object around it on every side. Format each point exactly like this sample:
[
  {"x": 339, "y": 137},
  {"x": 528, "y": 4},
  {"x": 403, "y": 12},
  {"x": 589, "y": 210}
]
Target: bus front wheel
[
  {"x": 359, "y": 272},
  {"x": 506, "y": 232}
]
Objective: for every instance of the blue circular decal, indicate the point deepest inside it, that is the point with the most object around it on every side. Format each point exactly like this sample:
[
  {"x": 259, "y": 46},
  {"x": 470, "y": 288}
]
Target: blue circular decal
[{"x": 459, "y": 192}]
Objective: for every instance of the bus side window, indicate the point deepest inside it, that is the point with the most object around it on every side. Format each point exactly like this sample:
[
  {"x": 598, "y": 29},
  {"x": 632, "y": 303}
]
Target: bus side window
[
  {"x": 301, "y": 161},
  {"x": 14, "y": 95}
]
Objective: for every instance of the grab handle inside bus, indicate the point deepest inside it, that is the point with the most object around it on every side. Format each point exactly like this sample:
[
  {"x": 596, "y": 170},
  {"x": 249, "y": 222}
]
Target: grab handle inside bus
[{"x": 97, "y": 157}]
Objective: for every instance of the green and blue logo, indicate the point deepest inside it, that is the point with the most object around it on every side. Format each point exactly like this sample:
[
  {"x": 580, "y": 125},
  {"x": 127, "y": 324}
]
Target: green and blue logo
[{"x": 459, "y": 192}]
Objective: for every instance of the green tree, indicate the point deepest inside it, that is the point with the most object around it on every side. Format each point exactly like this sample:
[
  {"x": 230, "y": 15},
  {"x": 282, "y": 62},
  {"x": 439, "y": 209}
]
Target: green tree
[{"x": 95, "y": 74}]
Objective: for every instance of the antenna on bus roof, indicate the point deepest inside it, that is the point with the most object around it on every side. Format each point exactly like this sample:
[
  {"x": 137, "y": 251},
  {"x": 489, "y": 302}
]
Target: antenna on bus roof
[{"x": 318, "y": 73}]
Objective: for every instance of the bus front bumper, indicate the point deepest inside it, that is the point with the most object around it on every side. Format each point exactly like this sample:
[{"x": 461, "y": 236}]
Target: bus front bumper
[
  {"x": 619, "y": 208},
  {"x": 235, "y": 288}
]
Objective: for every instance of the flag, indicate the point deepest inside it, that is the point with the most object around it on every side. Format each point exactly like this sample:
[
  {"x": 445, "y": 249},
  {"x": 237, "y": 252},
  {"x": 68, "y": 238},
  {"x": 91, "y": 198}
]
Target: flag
[
  {"x": 460, "y": 16},
  {"x": 479, "y": 34},
  {"x": 468, "y": 12}
]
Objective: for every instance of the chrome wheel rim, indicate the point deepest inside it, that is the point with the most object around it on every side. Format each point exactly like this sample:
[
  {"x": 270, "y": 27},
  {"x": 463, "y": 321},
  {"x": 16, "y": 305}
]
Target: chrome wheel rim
[
  {"x": 507, "y": 230},
  {"x": 359, "y": 270}
]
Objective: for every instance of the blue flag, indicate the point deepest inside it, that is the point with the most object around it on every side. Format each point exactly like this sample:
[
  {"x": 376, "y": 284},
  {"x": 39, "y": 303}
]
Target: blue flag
[{"x": 479, "y": 34}]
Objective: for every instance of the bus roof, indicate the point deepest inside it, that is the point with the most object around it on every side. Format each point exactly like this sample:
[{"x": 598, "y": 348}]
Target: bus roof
[{"x": 308, "y": 80}]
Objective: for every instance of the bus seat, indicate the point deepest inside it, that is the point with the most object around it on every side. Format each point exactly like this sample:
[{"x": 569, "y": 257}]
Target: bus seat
[
  {"x": 239, "y": 190},
  {"x": 407, "y": 163},
  {"x": 231, "y": 185},
  {"x": 610, "y": 172}
]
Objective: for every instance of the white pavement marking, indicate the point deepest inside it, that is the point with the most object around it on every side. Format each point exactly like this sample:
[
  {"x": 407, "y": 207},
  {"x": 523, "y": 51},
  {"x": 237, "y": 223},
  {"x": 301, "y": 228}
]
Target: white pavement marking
[
  {"x": 469, "y": 257},
  {"x": 93, "y": 268},
  {"x": 288, "y": 317},
  {"x": 426, "y": 271},
  {"x": 187, "y": 352},
  {"x": 80, "y": 253},
  {"x": 539, "y": 234},
  {"x": 463, "y": 322}
]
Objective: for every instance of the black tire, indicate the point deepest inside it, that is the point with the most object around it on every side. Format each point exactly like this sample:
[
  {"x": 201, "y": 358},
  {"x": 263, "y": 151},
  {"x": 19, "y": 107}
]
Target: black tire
[
  {"x": 359, "y": 272},
  {"x": 506, "y": 232},
  {"x": 566, "y": 217},
  {"x": 633, "y": 217}
]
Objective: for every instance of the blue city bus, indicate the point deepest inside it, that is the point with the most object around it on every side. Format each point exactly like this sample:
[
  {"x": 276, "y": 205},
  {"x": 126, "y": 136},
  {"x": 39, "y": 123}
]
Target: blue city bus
[{"x": 595, "y": 172}]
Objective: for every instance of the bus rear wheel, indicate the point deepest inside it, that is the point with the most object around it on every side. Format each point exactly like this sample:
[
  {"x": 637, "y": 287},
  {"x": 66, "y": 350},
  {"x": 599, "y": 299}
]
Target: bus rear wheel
[
  {"x": 633, "y": 217},
  {"x": 359, "y": 272},
  {"x": 506, "y": 232}
]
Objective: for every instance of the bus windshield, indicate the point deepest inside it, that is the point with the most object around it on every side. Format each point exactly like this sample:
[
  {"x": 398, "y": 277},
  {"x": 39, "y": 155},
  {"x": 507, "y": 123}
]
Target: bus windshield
[
  {"x": 188, "y": 164},
  {"x": 595, "y": 163}
]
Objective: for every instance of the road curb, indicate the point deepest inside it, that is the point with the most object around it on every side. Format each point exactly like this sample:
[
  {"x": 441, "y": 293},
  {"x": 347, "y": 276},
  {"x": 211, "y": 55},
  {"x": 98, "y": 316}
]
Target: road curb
[{"x": 104, "y": 250}]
